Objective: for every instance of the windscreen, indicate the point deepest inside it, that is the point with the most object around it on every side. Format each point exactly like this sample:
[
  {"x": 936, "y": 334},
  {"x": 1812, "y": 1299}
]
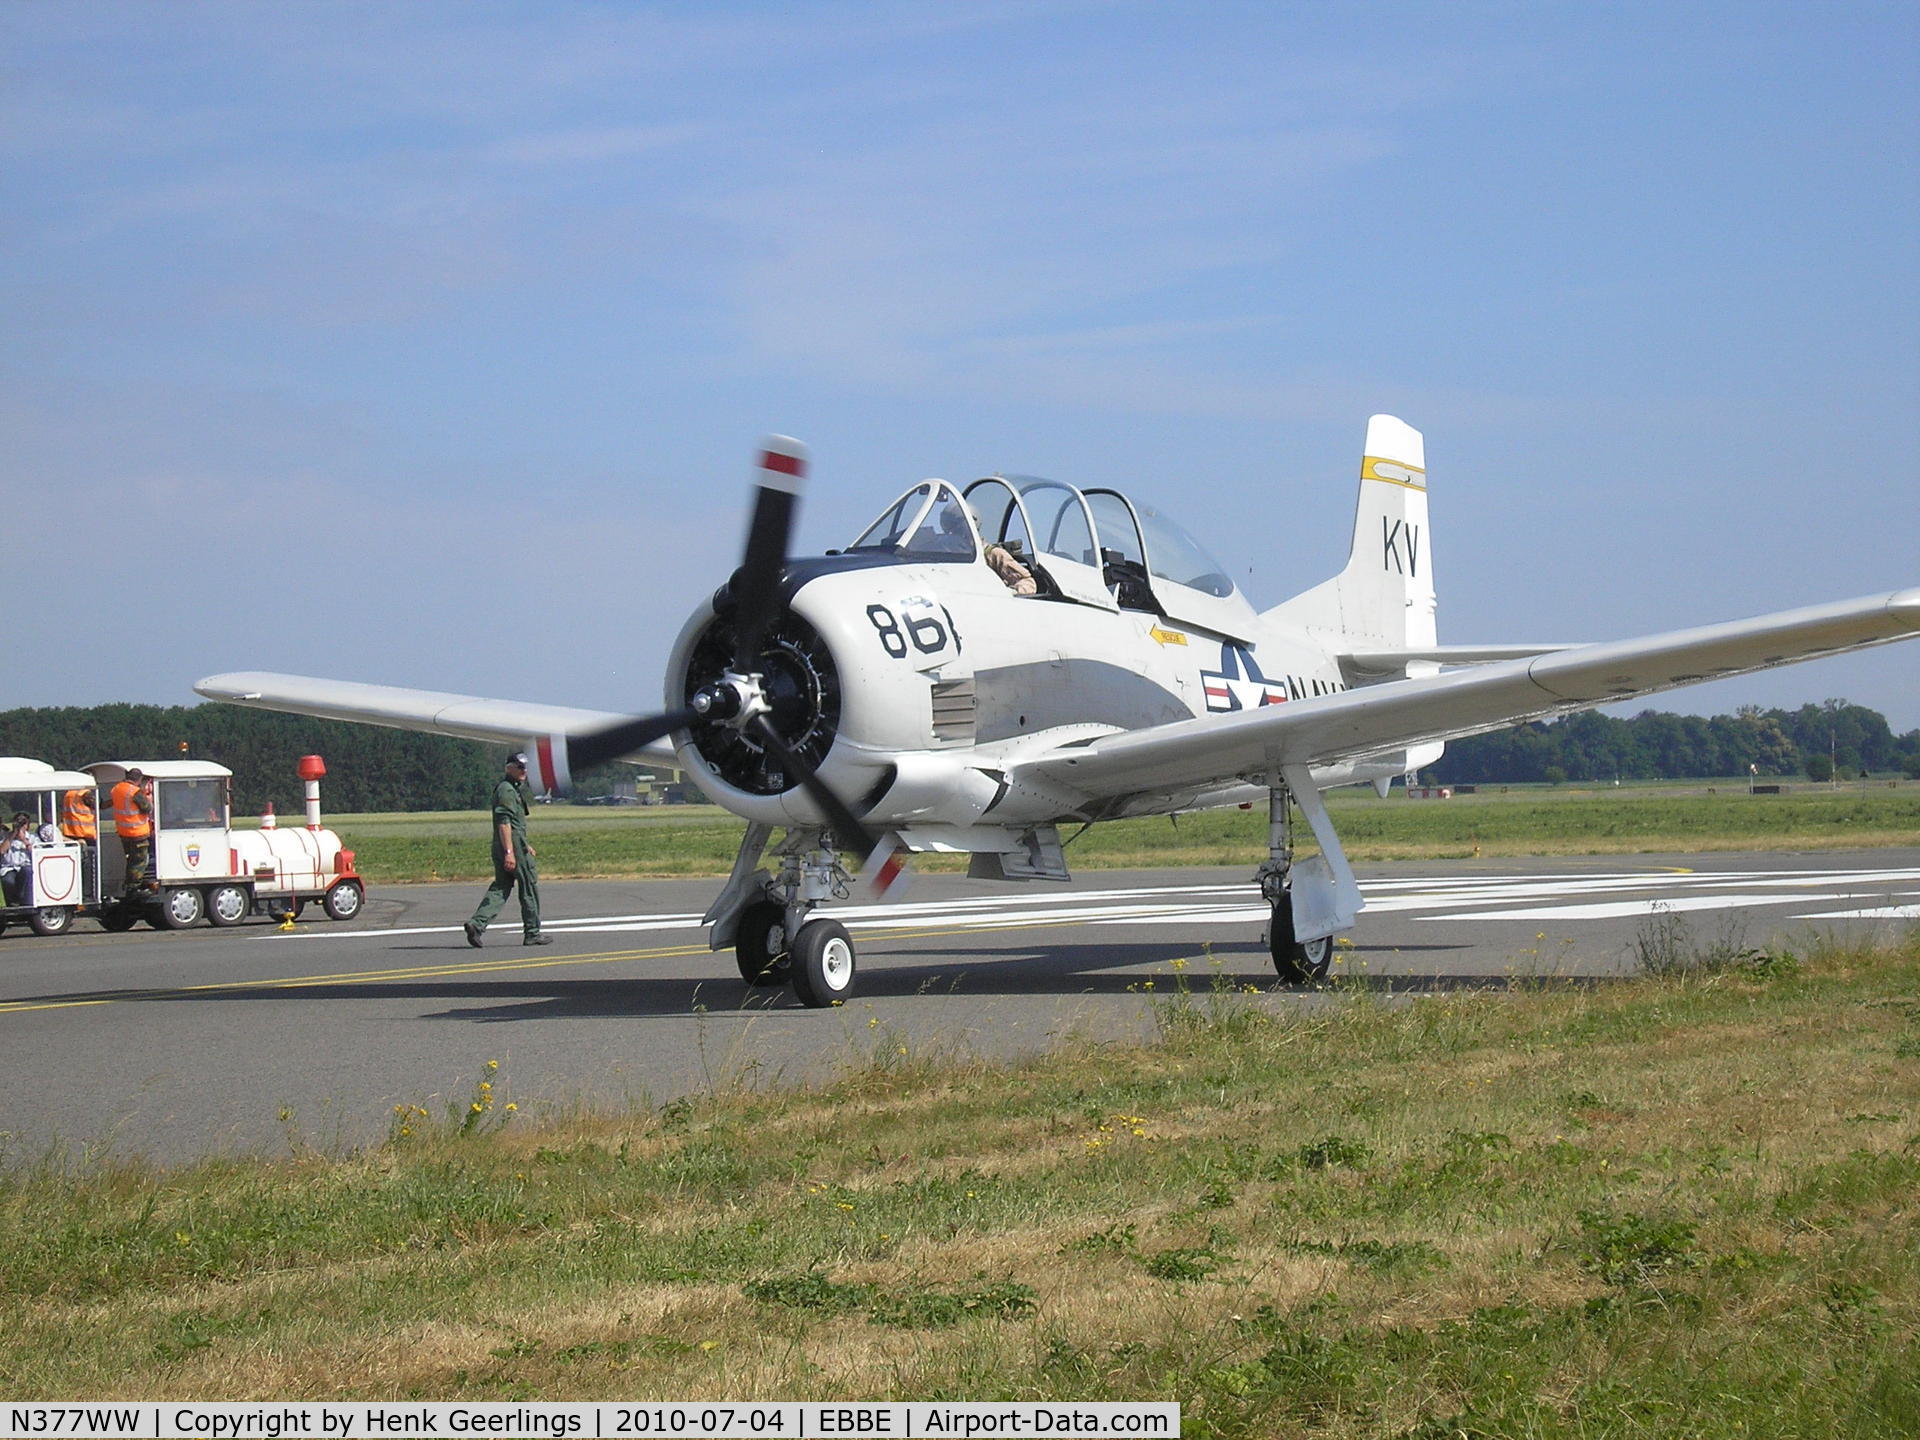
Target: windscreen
[
  {"x": 929, "y": 522},
  {"x": 190, "y": 804}
]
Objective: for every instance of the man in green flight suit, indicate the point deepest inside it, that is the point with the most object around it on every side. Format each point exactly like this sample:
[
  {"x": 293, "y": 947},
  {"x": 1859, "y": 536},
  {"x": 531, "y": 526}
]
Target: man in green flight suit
[{"x": 512, "y": 860}]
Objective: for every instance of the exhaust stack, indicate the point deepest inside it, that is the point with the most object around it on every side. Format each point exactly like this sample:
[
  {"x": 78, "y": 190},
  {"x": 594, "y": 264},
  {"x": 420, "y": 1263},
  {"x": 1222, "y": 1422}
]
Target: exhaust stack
[{"x": 312, "y": 767}]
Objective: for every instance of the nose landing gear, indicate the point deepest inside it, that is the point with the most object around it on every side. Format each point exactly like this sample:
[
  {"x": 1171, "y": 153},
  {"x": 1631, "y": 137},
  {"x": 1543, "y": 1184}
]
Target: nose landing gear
[{"x": 775, "y": 940}]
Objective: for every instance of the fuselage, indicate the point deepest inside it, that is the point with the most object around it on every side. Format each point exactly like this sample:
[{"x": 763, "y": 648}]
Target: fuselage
[{"x": 932, "y": 675}]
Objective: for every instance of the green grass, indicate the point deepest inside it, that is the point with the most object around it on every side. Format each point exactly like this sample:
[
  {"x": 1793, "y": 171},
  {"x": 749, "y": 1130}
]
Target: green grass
[
  {"x": 1686, "y": 1204},
  {"x": 701, "y": 840}
]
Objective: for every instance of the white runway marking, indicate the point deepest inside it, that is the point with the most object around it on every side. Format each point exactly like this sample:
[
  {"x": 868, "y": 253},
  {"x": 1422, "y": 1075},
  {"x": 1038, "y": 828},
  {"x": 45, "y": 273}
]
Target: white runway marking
[
  {"x": 1879, "y": 912},
  {"x": 1522, "y": 899},
  {"x": 1617, "y": 909}
]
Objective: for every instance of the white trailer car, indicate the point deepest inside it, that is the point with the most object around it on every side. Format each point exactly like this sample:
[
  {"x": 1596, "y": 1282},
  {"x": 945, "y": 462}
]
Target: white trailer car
[{"x": 63, "y": 875}]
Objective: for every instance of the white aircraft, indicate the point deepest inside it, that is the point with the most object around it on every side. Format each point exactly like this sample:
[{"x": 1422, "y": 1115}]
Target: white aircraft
[{"x": 898, "y": 695}]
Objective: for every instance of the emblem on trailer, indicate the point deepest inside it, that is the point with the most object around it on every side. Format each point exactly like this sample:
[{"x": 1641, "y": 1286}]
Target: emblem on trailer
[{"x": 193, "y": 856}]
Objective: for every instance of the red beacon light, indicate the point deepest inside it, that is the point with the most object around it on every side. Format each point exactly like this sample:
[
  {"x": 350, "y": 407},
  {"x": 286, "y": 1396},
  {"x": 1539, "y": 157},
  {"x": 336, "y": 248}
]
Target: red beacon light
[{"x": 312, "y": 767}]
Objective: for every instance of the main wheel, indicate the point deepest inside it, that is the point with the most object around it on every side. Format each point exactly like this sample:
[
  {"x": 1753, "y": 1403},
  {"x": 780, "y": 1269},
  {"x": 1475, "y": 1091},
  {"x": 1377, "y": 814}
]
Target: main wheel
[
  {"x": 1295, "y": 962},
  {"x": 822, "y": 963},
  {"x": 342, "y": 900},
  {"x": 228, "y": 904},
  {"x": 181, "y": 907},
  {"x": 118, "y": 918},
  {"x": 760, "y": 944},
  {"x": 51, "y": 919},
  {"x": 285, "y": 910}
]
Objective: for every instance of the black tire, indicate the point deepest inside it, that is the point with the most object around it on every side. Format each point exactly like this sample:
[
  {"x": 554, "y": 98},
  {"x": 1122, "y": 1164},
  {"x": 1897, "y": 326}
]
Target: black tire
[
  {"x": 51, "y": 920},
  {"x": 285, "y": 910},
  {"x": 228, "y": 905},
  {"x": 180, "y": 907},
  {"x": 342, "y": 900},
  {"x": 760, "y": 944},
  {"x": 1293, "y": 962},
  {"x": 118, "y": 918},
  {"x": 823, "y": 964}
]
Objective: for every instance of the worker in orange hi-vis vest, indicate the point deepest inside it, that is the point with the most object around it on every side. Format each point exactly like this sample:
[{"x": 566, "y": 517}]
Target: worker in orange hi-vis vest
[
  {"x": 77, "y": 820},
  {"x": 133, "y": 822}
]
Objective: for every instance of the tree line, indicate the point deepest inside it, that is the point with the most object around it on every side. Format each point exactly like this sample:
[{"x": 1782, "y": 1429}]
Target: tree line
[
  {"x": 368, "y": 767},
  {"x": 1834, "y": 739},
  {"x": 373, "y": 768}
]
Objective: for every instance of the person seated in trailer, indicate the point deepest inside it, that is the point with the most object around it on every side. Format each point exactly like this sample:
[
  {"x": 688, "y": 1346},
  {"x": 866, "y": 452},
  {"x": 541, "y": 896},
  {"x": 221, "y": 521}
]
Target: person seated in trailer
[{"x": 16, "y": 859}]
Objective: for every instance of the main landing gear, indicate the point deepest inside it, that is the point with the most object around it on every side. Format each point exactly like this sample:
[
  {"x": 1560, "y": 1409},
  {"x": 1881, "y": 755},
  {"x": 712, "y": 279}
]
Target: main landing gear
[
  {"x": 774, "y": 940},
  {"x": 1309, "y": 902}
]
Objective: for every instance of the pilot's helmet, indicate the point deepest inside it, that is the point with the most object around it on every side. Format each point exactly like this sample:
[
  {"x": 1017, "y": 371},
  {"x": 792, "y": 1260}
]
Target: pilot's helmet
[{"x": 953, "y": 520}]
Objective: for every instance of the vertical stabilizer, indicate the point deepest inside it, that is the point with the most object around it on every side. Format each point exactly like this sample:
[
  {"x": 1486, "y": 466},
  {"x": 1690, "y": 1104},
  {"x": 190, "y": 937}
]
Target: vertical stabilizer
[{"x": 1384, "y": 599}]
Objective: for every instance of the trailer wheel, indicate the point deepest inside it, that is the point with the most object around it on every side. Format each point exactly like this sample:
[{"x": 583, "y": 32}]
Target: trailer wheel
[
  {"x": 228, "y": 904},
  {"x": 342, "y": 901},
  {"x": 180, "y": 907},
  {"x": 51, "y": 919}
]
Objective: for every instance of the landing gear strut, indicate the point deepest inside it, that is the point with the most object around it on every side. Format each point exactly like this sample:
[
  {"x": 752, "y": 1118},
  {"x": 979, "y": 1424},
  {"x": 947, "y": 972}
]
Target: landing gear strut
[{"x": 1314, "y": 899}]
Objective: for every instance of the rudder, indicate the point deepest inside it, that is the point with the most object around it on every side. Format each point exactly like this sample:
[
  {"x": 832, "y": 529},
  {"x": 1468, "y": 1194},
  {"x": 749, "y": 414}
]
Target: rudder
[{"x": 1384, "y": 599}]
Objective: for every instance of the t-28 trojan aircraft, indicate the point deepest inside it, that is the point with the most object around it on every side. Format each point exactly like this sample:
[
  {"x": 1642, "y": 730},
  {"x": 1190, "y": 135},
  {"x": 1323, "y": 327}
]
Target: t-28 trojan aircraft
[{"x": 901, "y": 695}]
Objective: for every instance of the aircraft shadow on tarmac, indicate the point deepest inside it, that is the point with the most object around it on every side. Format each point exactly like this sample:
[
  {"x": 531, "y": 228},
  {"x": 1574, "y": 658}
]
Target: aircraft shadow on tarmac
[{"x": 979, "y": 972}]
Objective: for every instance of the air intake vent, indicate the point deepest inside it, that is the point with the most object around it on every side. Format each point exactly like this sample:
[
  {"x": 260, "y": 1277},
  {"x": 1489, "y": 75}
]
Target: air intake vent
[{"x": 954, "y": 708}]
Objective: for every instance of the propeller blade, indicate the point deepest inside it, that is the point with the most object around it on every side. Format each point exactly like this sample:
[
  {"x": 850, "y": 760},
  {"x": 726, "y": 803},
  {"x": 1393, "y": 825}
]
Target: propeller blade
[
  {"x": 783, "y": 471},
  {"x": 848, "y": 831},
  {"x": 599, "y": 746}
]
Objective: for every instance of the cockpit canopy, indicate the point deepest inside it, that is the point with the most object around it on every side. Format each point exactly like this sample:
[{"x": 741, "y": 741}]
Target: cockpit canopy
[{"x": 1089, "y": 547}]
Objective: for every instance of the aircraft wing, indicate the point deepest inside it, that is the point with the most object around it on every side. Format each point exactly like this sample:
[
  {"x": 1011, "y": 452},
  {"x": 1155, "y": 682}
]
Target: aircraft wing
[
  {"x": 1373, "y": 720},
  {"x": 512, "y": 722}
]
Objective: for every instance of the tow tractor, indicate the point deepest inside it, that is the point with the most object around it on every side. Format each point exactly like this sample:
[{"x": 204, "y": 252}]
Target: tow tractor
[
  {"x": 63, "y": 877},
  {"x": 202, "y": 867}
]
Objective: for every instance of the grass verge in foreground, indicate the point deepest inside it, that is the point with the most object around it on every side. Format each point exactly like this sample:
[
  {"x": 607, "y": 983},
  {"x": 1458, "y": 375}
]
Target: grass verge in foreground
[
  {"x": 576, "y": 843},
  {"x": 1674, "y": 1205}
]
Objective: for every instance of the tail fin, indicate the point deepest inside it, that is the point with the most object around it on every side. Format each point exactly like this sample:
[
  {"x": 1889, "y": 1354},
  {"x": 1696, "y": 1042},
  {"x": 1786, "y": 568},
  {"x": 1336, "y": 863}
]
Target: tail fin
[{"x": 1384, "y": 599}]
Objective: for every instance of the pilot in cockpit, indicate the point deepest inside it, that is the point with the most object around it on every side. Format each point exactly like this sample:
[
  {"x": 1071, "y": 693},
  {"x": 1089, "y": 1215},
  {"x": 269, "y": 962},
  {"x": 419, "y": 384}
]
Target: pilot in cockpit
[
  {"x": 949, "y": 530},
  {"x": 1015, "y": 576},
  {"x": 999, "y": 557}
]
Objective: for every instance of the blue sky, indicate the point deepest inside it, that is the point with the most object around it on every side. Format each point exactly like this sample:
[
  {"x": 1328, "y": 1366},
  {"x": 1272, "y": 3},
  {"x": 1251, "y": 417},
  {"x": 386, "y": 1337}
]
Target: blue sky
[{"x": 428, "y": 344}]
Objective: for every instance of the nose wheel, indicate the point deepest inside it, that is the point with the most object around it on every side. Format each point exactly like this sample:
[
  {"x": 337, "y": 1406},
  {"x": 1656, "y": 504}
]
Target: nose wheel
[
  {"x": 778, "y": 940},
  {"x": 823, "y": 964}
]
